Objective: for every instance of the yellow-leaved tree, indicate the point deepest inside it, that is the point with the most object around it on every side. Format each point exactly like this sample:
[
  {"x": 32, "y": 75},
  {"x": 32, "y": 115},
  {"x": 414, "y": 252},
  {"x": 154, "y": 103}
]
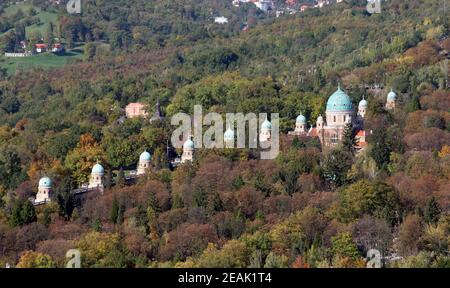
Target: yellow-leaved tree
[{"x": 81, "y": 159}]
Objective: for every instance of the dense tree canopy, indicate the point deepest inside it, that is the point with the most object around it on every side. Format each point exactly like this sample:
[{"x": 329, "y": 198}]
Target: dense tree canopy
[{"x": 312, "y": 206}]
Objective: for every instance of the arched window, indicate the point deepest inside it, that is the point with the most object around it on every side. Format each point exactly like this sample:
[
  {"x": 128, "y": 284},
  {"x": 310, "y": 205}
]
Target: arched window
[
  {"x": 334, "y": 119},
  {"x": 345, "y": 118}
]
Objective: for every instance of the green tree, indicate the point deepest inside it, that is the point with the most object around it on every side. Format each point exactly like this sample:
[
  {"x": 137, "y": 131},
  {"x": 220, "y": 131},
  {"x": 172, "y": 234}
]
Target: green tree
[
  {"x": 65, "y": 198},
  {"x": 349, "y": 141},
  {"x": 22, "y": 213},
  {"x": 114, "y": 212},
  {"x": 97, "y": 225},
  {"x": 335, "y": 166},
  {"x": 177, "y": 202},
  {"x": 380, "y": 151},
  {"x": 28, "y": 213},
  {"x": 214, "y": 203},
  {"x": 10, "y": 168},
  {"x": 413, "y": 105},
  {"x": 432, "y": 211},
  {"x": 342, "y": 245},
  {"x": 108, "y": 179},
  {"x": 200, "y": 197}
]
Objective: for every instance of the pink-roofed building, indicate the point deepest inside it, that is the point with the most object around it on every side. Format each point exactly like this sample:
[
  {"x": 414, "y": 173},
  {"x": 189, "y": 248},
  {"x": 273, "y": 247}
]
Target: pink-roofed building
[{"x": 134, "y": 110}]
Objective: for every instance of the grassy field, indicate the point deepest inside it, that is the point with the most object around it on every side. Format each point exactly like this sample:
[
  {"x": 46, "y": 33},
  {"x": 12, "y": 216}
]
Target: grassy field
[
  {"x": 44, "y": 60},
  {"x": 45, "y": 17}
]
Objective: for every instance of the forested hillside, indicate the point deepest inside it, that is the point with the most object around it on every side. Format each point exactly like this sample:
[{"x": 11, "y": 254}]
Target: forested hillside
[{"x": 310, "y": 207}]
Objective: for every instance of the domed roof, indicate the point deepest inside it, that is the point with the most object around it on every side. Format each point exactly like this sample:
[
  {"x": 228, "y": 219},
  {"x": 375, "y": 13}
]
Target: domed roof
[
  {"x": 392, "y": 96},
  {"x": 98, "y": 169},
  {"x": 320, "y": 119},
  {"x": 189, "y": 144},
  {"x": 45, "y": 182},
  {"x": 145, "y": 156},
  {"x": 363, "y": 103},
  {"x": 229, "y": 135},
  {"x": 339, "y": 101},
  {"x": 301, "y": 119},
  {"x": 266, "y": 125}
]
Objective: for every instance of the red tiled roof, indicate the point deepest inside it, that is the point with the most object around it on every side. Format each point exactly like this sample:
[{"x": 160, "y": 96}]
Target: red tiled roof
[
  {"x": 361, "y": 133},
  {"x": 312, "y": 132},
  {"x": 41, "y": 45}
]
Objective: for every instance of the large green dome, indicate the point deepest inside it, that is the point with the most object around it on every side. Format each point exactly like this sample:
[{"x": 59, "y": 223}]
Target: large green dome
[{"x": 339, "y": 101}]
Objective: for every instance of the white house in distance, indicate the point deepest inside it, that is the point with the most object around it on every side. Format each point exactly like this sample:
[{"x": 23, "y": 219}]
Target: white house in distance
[
  {"x": 221, "y": 20},
  {"x": 41, "y": 48},
  {"x": 264, "y": 5}
]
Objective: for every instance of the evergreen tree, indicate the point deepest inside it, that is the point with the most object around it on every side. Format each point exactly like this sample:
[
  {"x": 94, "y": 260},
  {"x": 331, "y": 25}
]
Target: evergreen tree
[
  {"x": 120, "y": 214},
  {"x": 152, "y": 202},
  {"x": 47, "y": 220},
  {"x": 141, "y": 216},
  {"x": 108, "y": 179},
  {"x": 381, "y": 151},
  {"x": 28, "y": 212},
  {"x": 22, "y": 213},
  {"x": 214, "y": 203},
  {"x": 349, "y": 141},
  {"x": 297, "y": 143},
  {"x": 319, "y": 79},
  {"x": 152, "y": 222},
  {"x": 199, "y": 198},
  {"x": 113, "y": 214},
  {"x": 97, "y": 225},
  {"x": 335, "y": 166},
  {"x": 432, "y": 211},
  {"x": 65, "y": 198},
  {"x": 177, "y": 202},
  {"x": 238, "y": 182},
  {"x": 15, "y": 217},
  {"x": 413, "y": 105}
]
